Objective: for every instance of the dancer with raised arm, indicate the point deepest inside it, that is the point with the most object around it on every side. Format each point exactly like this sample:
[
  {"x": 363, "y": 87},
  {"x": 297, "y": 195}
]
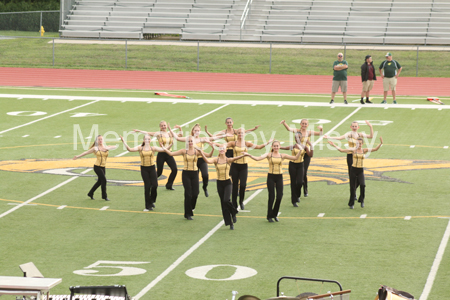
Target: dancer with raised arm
[
  {"x": 223, "y": 164},
  {"x": 296, "y": 168},
  {"x": 351, "y": 138},
  {"x": 275, "y": 178},
  {"x": 357, "y": 171},
  {"x": 198, "y": 143},
  {"x": 190, "y": 174},
  {"x": 231, "y": 134},
  {"x": 239, "y": 168},
  {"x": 101, "y": 151},
  {"x": 165, "y": 138},
  {"x": 148, "y": 171},
  {"x": 306, "y": 135}
]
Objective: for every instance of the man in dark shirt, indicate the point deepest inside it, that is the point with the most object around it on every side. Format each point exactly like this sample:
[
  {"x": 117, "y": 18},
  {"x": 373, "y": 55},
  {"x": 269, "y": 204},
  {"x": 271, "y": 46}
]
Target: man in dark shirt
[
  {"x": 368, "y": 76},
  {"x": 389, "y": 71}
]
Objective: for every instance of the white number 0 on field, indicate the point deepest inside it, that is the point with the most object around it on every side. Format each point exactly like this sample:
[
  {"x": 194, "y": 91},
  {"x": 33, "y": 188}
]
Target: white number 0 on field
[{"x": 112, "y": 268}]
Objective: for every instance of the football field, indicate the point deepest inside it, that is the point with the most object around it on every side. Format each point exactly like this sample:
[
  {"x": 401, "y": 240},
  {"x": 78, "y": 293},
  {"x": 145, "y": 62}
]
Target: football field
[{"x": 398, "y": 239}]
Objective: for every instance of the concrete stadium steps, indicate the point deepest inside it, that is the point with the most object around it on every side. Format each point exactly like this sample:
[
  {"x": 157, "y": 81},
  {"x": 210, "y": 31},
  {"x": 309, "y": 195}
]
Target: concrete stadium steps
[{"x": 306, "y": 21}]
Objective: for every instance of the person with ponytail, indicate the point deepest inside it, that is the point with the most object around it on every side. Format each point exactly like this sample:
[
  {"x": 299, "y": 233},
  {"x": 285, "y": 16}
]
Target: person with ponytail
[
  {"x": 190, "y": 174},
  {"x": 306, "y": 135},
  {"x": 296, "y": 168},
  {"x": 148, "y": 171},
  {"x": 202, "y": 166},
  {"x": 357, "y": 170},
  {"x": 275, "y": 178},
  {"x": 165, "y": 138},
  {"x": 101, "y": 151}
]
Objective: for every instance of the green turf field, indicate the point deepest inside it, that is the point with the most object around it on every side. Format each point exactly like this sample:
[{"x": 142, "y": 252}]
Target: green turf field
[{"x": 394, "y": 240}]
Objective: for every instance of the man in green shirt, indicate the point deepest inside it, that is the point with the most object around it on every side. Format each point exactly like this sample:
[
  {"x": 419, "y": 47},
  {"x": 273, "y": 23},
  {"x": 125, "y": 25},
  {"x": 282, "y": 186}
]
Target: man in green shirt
[
  {"x": 340, "y": 67},
  {"x": 389, "y": 72}
]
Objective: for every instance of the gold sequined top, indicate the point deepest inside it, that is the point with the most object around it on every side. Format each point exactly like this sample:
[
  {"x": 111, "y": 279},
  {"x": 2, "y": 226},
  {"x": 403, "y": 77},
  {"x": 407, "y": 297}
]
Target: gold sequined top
[
  {"x": 275, "y": 165},
  {"x": 199, "y": 145},
  {"x": 352, "y": 141},
  {"x": 165, "y": 141},
  {"x": 295, "y": 151},
  {"x": 147, "y": 158},
  {"x": 232, "y": 138},
  {"x": 101, "y": 158},
  {"x": 237, "y": 151},
  {"x": 358, "y": 160},
  {"x": 190, "y": 162},
  {"x": 223, "y": 171}
]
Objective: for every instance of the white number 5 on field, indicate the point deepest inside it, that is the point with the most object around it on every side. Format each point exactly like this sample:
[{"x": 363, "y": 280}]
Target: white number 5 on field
[{"x": 112, "y": 267}]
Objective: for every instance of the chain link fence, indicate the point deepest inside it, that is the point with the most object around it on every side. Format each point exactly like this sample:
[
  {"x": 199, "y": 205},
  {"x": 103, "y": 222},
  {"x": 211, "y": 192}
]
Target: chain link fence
[
  {"x": 30, "y": 21},
  {"x": 259, "y": 58}
]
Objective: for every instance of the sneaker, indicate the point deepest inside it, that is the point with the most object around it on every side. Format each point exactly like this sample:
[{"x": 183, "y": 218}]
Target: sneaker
[
  {"x": 362, "y": 101},
  {"x": 345, "y": 102},
  {"x": 368, "y": 101},
  {"x": 395, "y": 102},
  {"x": 383, "y": 102},
  {"x": 332, "y": 101}
]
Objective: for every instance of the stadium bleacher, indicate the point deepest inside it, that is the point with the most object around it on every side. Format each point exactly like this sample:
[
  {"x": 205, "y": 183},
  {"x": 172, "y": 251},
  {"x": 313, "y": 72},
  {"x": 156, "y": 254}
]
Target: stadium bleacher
[{"x": 306, "y": 21}]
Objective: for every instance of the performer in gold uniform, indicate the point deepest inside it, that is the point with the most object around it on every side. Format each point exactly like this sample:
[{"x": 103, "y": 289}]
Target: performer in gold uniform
[
  {"x": 239, "y": 168},
  {"x": 357, "y": 170},
  {"x": 148, "y": 171},
  {"x": 165, "y": 138},
  {"x": 306, "y": 134},
  {"x": 101, "y": 152},
  {"x": 223, "y": 164},
  {"x": 275, "y": 178},
  {"x": 198, "y": 143},
  {"x": 231, "y": 134},
  {"x": 190, "y": 175},
  {"x": 296, "y": 167}
]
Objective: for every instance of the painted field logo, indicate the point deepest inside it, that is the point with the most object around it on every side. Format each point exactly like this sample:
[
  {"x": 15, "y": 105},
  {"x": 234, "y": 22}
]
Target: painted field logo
[{"x": 332, "y": 170}]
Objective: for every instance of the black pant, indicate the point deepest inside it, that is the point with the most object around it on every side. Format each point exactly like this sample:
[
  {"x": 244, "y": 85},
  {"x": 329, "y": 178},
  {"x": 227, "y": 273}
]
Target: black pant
[
  {"x": 228, "y": 210},
  {"x": 190, "y": 184},
  {"x": 239, "y": 174},
  {"x": 101, "y": 181},
  {"x": 349, "y": 166},
  {"x": 203, "y": 167},
  {"x": 274, "y": 181},
  {"x": 357, "y": 176},
  {"x": 230, "y": 153},
  {"x": 306, "y": 161},
  {"x": 160, "y": 160},
  {"x": 296, "y": 174},
  {"x": 150, "y": 185}
]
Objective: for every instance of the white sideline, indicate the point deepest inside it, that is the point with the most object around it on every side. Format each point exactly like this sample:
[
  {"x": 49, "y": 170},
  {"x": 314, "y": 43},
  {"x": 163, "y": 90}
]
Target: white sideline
[
  {"x": 436, "y": 263},
  {"x": 186, "y": 254},
  {"x": 47, "y": 117},
  {"x": 235, "y": 102}
]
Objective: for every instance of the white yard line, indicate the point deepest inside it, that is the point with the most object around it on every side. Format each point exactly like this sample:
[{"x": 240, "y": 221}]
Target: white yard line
[
  {"x": 339, "y": 124},
  {"x": 436, "y": 263},
  {"x": 47, "y": 117},
  {"x": 236, "y": 102},
  {"x": 185, "y": 255},
  {"x": 43, "y": 194}
]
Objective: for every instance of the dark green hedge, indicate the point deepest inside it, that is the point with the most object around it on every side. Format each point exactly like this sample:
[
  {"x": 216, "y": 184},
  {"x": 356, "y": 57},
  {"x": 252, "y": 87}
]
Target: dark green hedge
[
  {"x": 29, "y": 21},
  {"x": 30, "y": 5}
]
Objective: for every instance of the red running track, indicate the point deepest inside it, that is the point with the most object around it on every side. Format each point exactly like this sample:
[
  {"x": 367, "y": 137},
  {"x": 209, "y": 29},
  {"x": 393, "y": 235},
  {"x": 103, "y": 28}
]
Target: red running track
[{"x": 217, "y": 82}]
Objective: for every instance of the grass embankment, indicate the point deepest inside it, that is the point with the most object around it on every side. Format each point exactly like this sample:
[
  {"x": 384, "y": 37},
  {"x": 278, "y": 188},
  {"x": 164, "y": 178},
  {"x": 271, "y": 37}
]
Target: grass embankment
[{"x": 39, "y": 53}]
